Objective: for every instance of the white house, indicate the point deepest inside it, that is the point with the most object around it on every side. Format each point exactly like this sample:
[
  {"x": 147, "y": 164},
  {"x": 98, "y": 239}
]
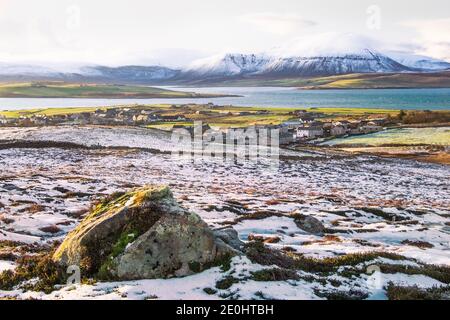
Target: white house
[
  {"x": 309, "y": 132},
  {"x": 370, "y": 127}
]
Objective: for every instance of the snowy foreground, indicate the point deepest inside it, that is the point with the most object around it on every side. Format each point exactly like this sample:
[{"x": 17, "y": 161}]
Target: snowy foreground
[{"x": 45, "y": 192}]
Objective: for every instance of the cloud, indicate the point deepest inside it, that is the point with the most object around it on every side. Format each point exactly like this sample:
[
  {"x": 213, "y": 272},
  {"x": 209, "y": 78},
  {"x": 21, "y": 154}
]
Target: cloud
[
  {"x": 277, "y": 23},
  {"x": 330, "y": 43},
  {"x": 433, "y": 37}
]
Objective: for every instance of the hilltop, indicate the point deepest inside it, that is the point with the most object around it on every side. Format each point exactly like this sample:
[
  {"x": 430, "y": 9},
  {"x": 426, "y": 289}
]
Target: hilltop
[{"x": 83, "y": 90}]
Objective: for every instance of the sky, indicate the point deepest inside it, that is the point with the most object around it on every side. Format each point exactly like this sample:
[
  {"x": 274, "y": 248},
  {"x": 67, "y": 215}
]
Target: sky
[{"x": 176, "y": 32}]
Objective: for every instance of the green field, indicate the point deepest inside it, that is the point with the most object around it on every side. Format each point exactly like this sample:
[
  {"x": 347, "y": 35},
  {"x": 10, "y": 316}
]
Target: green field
[
  {"x": 348, "y": 81},
  {"x": 281, "y": 112},
  {"x": 401, "y": 136},
  {"x": 71, "y": 90}
]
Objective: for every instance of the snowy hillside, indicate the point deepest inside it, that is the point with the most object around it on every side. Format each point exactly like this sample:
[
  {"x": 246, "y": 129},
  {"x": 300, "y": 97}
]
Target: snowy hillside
[
  {"x": 366, "y": 61},
  {"x": 420, "y": 62},
  {"x": 229, "y": 65}
]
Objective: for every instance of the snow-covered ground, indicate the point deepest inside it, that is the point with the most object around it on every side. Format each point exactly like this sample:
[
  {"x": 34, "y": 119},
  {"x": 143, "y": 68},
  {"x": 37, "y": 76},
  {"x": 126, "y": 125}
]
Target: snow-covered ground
[{"x": 45, "y": 192}]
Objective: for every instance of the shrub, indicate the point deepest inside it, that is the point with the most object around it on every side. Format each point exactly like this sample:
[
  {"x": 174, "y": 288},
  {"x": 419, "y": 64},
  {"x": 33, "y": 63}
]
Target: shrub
[{"x": 395, "y": 292}]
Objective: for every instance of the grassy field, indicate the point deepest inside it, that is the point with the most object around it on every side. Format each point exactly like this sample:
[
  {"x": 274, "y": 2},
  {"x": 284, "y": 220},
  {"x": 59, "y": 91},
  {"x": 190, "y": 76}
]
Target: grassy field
[
  {"x": 378, "y": 81},
  {"x": 401, "y": 136},
  {"x": 277, "y": 111},
  {"x": 70, "y": 90},
  {"x": 351, "y": 81},
  {"x": 47, "y": 112},
  {"x": 223, "y": 117}
]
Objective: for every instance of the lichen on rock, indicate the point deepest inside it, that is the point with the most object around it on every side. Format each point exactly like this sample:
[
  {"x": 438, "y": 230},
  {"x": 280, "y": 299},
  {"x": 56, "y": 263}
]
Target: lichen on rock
[{"x": 143, "y": 233}]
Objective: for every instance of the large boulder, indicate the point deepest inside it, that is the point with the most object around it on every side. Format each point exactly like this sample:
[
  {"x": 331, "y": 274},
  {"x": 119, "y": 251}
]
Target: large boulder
[
  {"x": 309, "y": 224},
  {"x": 142, "y": 234}
]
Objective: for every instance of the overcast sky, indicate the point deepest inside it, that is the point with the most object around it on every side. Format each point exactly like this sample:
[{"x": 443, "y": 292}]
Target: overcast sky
[{"x": 176, "y": 31}]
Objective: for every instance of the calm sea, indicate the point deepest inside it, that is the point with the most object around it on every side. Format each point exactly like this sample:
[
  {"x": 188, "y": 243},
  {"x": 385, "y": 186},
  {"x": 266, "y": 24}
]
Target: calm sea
[{"x": 418, "y": 99}]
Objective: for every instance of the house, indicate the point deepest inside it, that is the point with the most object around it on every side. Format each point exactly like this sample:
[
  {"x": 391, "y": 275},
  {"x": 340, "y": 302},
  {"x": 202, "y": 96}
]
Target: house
[
  {"x": 147, "y": 112},
  {"x": 308, "y": 117},
  {"x": 140, "y": 118},
  {"x": 292, "y": 124},
  {"x": 193, "y": 130},
  {"x": 353, "y": 127},
  {"x": 40, "y": 120},
  {"x": 7, "y": 121},
  {"x": 172, "y": 118},
  {"x": 379, "y": 121},
  {"x": 338, "y": 130},
  {"x": 370, "y": 127},
  {"x": 286, "y": 136},
  {"x": 25, "y": 122},
  {"x": 111, "y": 113},
  {"x": 300, "y": 113},
  {"x": 204, "y": 112},
  {"x": 242, "y": 113},
  {"x": 309, "y": 132}
]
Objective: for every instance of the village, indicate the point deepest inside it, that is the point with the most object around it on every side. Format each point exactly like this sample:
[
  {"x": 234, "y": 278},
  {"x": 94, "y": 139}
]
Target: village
[{"x": 298, "y": 126}]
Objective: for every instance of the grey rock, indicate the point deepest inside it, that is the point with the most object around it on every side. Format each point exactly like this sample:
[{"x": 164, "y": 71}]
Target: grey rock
[
  {"x": 142, "y": 234},
  {"x": 309, "y": 224},
  {"x": 229, "y": 237}
]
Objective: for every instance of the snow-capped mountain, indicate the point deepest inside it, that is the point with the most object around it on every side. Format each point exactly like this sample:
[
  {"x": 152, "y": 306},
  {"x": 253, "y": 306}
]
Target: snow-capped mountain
[
  {"x": 365, "y": 61},
  {"x": 26, "y": 70},
  {"x": 317, "y": 55},
  {"x": 138, "y": 74},
  {"x": 234, "y": 65},
  {"x": 420, "y": 62},
  {"x": 131, "y": 73},
  {"x": 326, "y": 54},
  {"x": 228, "y": 65}
]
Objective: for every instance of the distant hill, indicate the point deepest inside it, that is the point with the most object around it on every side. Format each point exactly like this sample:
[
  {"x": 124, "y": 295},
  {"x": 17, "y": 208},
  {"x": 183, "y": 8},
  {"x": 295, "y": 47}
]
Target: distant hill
[
  {"x": 70, "y": 90},
  {"x": 380, "y": 81}
]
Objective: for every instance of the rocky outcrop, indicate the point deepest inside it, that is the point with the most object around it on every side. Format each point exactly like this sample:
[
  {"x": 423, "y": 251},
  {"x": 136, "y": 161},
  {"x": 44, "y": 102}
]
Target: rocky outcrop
[
  {"x": 230, "y": 237},
  {"x": 309, "y": 224},
  {"x": 142, "y": 234}
]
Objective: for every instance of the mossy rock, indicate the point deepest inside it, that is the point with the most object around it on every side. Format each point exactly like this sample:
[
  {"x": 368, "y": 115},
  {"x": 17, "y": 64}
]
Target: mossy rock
[{"x": 141, "y": 234}]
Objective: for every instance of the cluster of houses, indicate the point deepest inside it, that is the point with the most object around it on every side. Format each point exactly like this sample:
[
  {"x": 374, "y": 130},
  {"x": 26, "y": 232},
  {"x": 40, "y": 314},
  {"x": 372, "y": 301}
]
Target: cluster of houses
[
  {"x": 305, "y": 126},
  {"x": 111, "y": 116},
  {"x": 302, "y": 130}
]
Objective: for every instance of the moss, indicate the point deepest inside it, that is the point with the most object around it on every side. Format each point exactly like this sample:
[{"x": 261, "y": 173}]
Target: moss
[
  {"x": 383, "y": 214},
  {"x": 104, "y": 272},
  {"x": 342, "y": 295},
  {"x": 226, "y": 282},
  {"x": 124, "y": 239},
  {"x": 210, "y": 291},
  {"x": 118, "y": 248},
  {"x": 151, "y": 194},
  {"x": 440, "y": 273},
  {"x": 395, "y": 292},
  {"x": 418, "y": 243},
  {"x": 105, "y": 205},
  {"x": 223, "y": 261},
  {"x": 195, "y": 266},
  {"x": 258, "y": 253},
  {"x": 275, "y": 274},
  {"x": 42, "y": 267}
]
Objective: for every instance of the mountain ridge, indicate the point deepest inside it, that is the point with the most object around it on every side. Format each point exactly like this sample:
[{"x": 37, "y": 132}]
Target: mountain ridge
[{"x": 232, "y": 66}]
